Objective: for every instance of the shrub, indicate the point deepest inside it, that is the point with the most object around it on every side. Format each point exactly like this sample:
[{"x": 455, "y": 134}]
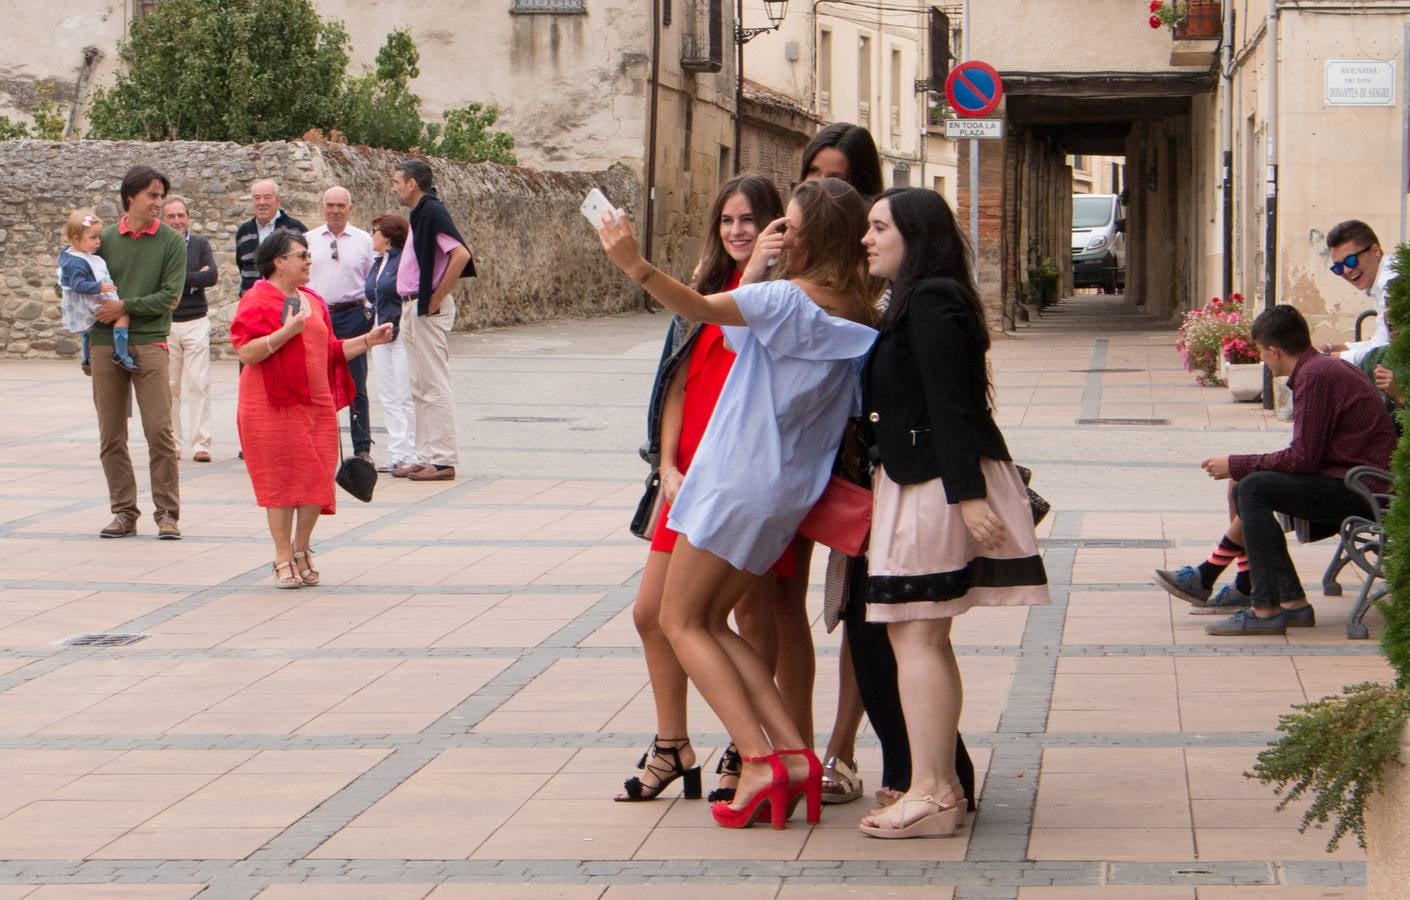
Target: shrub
[{"x": 1203, "y": 332}]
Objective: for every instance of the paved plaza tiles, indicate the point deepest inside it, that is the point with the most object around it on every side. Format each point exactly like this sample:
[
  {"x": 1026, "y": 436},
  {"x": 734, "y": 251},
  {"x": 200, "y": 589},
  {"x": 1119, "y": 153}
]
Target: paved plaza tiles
[{"x": 449, "y": 714}]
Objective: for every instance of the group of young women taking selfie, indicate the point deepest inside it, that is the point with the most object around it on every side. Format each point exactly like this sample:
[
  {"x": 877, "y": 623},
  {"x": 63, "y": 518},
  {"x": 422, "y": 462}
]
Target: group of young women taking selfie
[{"x": 854, "y": 305}]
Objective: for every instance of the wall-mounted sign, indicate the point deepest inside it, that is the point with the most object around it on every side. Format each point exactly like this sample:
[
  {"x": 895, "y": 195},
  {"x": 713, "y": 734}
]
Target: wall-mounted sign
[
  {"x": 962, "y": 129},
  {"x": 1359, "y": 82}
]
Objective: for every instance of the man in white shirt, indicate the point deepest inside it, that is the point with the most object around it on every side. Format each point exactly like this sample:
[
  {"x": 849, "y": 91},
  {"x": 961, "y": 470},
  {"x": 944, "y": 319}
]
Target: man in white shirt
[
  {"x": 341, "y": 258},
  {"x": 1357, "y": 257}
]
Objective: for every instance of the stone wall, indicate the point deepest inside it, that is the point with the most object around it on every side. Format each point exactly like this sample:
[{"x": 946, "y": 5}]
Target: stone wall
[{"x": 537, "y": 258}]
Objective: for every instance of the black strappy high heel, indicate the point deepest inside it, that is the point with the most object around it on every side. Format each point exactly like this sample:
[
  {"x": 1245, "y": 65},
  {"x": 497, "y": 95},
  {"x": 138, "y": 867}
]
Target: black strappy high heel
[
  {"x": 637, "y": 790},
  {"x": 730, "y": 764}
]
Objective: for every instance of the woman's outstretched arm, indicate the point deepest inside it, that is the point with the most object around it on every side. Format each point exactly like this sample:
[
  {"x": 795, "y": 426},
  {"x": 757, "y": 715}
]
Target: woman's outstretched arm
[{"x": 619, "y": 240}]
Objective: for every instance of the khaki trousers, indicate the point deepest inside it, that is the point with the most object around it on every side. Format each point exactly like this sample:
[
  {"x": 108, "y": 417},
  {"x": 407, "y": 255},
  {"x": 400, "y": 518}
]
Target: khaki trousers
[
  {"x": 190, "y": 367},
  {"x": 110, "y": 389},
  {"x": 428, "y": 356}
]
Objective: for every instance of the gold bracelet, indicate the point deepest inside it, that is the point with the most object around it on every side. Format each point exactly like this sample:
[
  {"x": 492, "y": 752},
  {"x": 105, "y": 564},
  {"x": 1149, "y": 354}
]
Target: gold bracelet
[{"x": 651, "y": 271}]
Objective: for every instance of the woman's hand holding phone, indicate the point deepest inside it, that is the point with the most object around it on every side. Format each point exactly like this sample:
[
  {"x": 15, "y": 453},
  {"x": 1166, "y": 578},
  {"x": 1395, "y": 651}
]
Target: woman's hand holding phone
[{"x": 294, "y": 319}]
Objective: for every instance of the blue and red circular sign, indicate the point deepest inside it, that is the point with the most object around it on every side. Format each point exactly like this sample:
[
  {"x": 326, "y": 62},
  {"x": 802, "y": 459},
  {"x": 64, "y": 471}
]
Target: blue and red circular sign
[{"x": 974, "y": 89}]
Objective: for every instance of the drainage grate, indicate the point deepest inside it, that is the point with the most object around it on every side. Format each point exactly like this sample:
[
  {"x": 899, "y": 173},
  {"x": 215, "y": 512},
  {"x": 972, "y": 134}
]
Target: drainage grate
[
  {"x": 522, "y": 419},
  {"x": 1117, "y": 543},
  {"x": 1107, "y": 371},
  {"x": 100, "y": 639},
  {"x": 1123, "y": 421}
]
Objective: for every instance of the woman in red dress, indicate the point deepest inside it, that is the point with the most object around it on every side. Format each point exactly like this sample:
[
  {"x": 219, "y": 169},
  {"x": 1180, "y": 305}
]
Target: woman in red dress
[
  {"x": 294, "y": 381},
  {"x": 691, "y": 379}
]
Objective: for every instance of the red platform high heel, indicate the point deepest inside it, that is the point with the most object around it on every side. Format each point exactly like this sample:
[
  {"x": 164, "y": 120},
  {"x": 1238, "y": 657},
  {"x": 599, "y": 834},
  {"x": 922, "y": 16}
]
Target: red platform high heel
[
  {"x": 810, "y": 787},
  {"x": 773, "y": 799}
]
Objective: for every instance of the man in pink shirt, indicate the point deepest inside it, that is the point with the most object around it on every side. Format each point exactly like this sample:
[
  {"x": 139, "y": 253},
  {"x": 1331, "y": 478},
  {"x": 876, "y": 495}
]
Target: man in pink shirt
[{"x": 434, "y": 259}]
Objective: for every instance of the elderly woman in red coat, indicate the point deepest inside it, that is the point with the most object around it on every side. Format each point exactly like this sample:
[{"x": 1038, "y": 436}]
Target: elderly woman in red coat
[{"x": 295, "y": 379}]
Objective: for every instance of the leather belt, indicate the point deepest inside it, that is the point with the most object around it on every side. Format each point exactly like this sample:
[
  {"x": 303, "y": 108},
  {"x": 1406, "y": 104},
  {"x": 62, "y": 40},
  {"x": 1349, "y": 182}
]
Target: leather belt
[{"x": 351, "y": 304}]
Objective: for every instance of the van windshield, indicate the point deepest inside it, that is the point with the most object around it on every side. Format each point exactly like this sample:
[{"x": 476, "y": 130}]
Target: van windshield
[{"x": 1091, "y": 212}]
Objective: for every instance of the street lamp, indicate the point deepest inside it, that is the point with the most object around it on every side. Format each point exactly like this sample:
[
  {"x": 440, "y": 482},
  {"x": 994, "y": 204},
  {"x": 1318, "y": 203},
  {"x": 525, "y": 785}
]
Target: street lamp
[{"x": 775, "y": 10}]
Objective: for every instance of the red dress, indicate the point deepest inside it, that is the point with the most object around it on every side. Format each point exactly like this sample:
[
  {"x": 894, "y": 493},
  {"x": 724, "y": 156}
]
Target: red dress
[
  {"x": 291, "y": 451},
  {"x": 710, "y": 363}
]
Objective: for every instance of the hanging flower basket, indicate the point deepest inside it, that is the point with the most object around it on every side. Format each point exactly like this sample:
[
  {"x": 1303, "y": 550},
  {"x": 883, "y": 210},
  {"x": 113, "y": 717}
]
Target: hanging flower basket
[{"x": 1187, "y": 19}]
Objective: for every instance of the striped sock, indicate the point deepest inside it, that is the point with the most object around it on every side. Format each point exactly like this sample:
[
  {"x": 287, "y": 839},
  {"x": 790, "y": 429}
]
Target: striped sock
[
  {"x": 1222, "y": 557},
  {"x": 1243, "y": 582}
]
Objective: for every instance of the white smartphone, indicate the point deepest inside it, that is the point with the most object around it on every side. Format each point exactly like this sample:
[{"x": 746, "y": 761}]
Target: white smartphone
[{"x": 595, "y": 205}]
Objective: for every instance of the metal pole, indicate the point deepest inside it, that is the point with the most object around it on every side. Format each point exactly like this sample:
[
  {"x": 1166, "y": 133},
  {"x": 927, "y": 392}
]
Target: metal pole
[
  {"x": 973, "y": 161},
  {"x": 739, "y": 83},
  {"x": 1270, "y": 197},
  {"x": 1404, "y": 126},
  {"x": 1226, "y": 141}
]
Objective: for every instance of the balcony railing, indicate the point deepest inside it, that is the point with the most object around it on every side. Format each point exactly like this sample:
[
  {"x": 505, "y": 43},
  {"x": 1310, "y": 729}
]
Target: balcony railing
[{"x": 1203, "y": 20}]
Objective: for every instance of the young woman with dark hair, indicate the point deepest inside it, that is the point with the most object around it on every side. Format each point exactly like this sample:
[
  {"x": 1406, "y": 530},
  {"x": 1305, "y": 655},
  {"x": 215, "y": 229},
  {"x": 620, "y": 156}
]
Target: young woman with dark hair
[
  {"x": 695, "y": 365},
  {"x": 761, "y": 465},
  {"x": 951, "y": 523},
  {"x": 846, "y": 151}
]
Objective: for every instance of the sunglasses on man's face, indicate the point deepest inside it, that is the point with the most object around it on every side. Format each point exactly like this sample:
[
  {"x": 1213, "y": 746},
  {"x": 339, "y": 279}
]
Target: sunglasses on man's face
[{"x": 1351, "y": 262}]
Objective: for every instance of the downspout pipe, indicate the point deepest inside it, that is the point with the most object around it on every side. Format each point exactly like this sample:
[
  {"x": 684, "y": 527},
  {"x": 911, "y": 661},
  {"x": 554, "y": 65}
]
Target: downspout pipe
[
  {"x": 652, "y": 106},
  {"x": 1270, "y": 197},
  {"x": 1226, "y": 146}
]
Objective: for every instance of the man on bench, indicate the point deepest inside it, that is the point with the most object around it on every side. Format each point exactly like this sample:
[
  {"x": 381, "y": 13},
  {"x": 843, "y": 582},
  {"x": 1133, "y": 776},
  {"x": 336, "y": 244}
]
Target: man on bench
[{"x": 1339, "y": 422}]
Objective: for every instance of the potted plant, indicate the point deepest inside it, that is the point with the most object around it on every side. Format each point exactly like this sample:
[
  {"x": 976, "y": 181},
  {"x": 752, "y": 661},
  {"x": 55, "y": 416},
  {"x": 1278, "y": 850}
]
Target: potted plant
[
  {"x": 1043, "y": 282},
  {"x": 1347, "y": 752},
  {"x": 1202, "y": 334},
  {"x": 1243, "y": 367},
  {"x": 1187, "y": 18}
]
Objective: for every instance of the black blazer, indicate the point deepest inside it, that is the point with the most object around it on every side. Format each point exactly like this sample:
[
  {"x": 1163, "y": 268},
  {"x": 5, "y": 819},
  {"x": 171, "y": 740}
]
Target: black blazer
[
  {"x": 924, "y": 396},
  {"x": 193, "y": 298}
]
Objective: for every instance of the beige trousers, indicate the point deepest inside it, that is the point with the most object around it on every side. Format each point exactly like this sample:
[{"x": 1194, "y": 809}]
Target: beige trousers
[
  {"x": 428, "y": 356},
  {"x": 191, "y": 383}
]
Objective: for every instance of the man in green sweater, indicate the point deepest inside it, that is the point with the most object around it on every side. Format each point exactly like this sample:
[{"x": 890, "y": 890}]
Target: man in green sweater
[{"x": 147, "y": 261}]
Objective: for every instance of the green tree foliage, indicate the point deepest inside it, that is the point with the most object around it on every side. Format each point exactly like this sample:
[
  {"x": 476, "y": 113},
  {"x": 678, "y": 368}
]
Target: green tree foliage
[
  {"x": 468, "y": 137},
  {"x": 1395, "y": 639},
  {"x": 378, "y": 108},
  {"x": 50, "y": 124},
  {"x": 225, "y": 70}
]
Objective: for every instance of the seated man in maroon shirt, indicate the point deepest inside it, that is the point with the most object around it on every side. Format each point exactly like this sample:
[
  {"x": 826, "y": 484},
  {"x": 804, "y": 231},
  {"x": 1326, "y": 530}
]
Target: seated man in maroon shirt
[{"x": 1339, "y": 422}]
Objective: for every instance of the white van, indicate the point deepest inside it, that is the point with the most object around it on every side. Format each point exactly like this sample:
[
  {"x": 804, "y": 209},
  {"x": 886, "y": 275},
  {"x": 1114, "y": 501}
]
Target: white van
[{"x": 1098, "y": 242}]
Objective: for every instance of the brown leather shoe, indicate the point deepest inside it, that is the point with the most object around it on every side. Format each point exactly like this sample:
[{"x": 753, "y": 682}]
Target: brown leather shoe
[
  {"x": 433, "y": 473},
  {"x": 202, "y": 456},
  {"x": 167, "y": 530},
  {"x": 406, "y": 470},
  {"x": 119, "y": 527}
]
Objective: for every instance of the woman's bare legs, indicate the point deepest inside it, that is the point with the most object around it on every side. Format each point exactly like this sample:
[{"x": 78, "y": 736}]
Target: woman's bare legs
[
  {"x": 701, "y": 588},
  {"x": 796, "y": 669},
  {"x": 303, "y": 527},
  {"x": 281, "y": 529},
  {"x": 754, "y": 614},
  {"x": 843, "y": 742},
  {"x": 932, "y": 695},
  {"x": 667, "y": 676}
]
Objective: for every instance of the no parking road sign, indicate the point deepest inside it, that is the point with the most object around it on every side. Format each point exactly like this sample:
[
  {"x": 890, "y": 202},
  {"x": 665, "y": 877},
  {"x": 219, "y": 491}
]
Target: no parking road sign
[{"x": 974, "y": 89}]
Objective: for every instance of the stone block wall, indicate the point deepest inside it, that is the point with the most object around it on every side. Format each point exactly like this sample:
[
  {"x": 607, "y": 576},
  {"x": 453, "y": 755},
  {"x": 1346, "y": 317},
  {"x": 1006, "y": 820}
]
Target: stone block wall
[{"x": 536, "y": 256}]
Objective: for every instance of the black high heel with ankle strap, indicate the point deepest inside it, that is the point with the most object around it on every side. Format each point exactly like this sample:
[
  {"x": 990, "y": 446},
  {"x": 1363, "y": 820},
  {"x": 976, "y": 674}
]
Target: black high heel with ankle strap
[
  {"x": 638, "y": 791},
  {"x": 730, "y": 764}
]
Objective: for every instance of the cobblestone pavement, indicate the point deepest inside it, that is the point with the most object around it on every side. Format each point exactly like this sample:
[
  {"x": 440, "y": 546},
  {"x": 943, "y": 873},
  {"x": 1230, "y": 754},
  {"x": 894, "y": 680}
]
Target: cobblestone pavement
[{"x": 451, "y": 711}]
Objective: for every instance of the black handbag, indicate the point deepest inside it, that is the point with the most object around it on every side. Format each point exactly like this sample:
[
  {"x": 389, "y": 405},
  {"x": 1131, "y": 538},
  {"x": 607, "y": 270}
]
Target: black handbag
[
  {"x": 355, "y": 475},
  {"x": 648, "y": 508},
  {"x": 1040, "y": 506}
]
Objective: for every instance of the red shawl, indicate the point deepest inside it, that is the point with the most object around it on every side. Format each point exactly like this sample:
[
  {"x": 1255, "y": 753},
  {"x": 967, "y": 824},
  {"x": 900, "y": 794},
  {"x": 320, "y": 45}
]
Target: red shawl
[{"x": 285, "y": 373}]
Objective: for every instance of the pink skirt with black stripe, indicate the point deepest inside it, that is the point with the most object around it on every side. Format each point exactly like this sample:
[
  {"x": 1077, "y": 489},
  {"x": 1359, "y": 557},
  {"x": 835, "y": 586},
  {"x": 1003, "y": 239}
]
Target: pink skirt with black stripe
[{"x": 924, "y": 564}]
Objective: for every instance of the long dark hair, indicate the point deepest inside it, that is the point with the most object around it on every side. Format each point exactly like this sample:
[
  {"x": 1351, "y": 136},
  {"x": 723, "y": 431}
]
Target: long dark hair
[
  {"x": 716, "y": 265},
  {"x": 935, "y": 248},
  {"x": 855, "y": 143}
]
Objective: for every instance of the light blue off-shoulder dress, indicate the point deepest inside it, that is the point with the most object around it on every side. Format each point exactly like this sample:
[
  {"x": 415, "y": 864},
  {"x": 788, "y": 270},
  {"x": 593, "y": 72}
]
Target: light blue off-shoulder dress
[{"x": 769, "y": 448}]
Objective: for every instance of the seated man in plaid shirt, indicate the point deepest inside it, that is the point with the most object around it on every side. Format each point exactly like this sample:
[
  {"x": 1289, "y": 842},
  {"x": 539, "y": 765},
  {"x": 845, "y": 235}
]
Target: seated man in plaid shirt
[{"x": 1339, "y": 422}]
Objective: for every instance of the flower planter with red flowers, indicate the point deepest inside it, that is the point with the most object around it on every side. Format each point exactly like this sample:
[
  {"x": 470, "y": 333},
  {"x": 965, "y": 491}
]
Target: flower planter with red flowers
[{"x": 1187, "y": 19}]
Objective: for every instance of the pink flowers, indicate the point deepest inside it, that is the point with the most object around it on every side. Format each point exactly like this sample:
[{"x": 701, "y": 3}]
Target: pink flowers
[{"x": 1217, "y": 331}]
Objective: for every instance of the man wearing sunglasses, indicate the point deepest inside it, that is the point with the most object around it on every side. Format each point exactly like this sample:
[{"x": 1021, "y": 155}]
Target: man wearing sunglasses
[
  {"x": 1357, "y": 256},
  {"x": 342, "y": 256}
]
